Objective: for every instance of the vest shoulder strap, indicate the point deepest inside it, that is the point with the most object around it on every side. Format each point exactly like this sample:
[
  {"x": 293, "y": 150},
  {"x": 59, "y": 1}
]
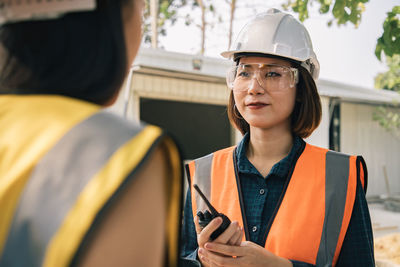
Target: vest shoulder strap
[
  {"x": 362, "y": 172},
  {"x": 202, "y": 165},
  {"x": 200, "y": 171}
]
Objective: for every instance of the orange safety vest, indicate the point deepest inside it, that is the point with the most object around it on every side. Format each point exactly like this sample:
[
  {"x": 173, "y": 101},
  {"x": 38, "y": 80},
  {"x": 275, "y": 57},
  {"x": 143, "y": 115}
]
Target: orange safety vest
[{"x": 312, "y": 217}]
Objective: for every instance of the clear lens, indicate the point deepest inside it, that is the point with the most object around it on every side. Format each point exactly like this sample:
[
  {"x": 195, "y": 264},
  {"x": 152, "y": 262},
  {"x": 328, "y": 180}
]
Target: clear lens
[{"x": 270, "y": 77}]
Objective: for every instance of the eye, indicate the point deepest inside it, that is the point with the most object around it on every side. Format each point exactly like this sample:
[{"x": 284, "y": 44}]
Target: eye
[
  {"x": 272, "y": 74},
  {"x": 243, "y": 74}
]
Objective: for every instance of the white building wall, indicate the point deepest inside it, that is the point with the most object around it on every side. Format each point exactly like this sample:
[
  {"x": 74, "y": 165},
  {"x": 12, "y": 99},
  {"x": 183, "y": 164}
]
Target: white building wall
[
  {"x": 176, "y": 89},
  {"x": 360, "y": 134},
  {"x": 168, "y": 88},
  {"x": 320, "y": 137}
]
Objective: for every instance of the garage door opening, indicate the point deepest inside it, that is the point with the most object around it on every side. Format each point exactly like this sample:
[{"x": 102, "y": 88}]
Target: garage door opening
[{"x": 199, "y": 129}]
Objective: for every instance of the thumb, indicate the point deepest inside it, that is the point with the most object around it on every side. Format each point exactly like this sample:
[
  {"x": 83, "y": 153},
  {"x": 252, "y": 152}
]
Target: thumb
[{"x": 196, "y": 224}]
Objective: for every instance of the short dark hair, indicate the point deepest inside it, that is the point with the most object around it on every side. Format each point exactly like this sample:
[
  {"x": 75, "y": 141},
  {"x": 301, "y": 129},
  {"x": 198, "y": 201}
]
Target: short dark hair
[
  {"x": 80, "y": 55},
  {"x": 306, "y": 114}
]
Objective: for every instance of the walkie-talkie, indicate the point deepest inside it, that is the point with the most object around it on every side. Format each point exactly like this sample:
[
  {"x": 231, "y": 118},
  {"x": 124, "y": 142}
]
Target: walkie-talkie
[{"x": 206, "y": 217}]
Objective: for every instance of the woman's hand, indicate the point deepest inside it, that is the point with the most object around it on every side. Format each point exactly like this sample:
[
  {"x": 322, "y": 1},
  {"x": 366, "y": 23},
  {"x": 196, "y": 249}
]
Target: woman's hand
[
  {"x": 247, "y": 254},
  {"x": 231, "y": 236}
]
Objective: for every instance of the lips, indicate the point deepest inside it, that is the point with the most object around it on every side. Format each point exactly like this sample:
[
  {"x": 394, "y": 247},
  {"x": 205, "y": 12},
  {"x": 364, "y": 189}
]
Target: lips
[{"x": 256, "y": 105}]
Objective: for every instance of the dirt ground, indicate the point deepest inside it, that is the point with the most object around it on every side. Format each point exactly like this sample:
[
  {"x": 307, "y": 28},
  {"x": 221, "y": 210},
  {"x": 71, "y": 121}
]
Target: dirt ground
[{"x": 386, "y": 227}]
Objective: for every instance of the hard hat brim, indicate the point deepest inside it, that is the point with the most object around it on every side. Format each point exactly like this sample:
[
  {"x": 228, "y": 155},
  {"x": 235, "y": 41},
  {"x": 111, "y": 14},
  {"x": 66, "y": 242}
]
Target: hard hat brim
[{"x": 231, "y": 54}]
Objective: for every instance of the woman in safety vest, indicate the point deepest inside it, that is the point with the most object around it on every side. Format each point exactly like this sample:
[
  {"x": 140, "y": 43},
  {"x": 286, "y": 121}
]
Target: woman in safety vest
[
  {"x": 79, "y": 186},
  {"x": 290, "y": 203}
]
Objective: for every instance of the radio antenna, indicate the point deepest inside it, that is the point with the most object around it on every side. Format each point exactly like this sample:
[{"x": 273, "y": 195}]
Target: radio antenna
[{"x": 212, "y": 209}]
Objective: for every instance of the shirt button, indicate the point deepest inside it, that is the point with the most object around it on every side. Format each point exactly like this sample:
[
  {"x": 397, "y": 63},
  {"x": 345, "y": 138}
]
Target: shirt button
[
  {"x": 254, "y": 229},
  {"x": 262, "y": 191}
]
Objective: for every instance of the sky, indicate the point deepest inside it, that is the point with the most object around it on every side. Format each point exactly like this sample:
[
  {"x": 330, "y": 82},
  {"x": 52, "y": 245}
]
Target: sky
[{"x": 346, "y": 54}]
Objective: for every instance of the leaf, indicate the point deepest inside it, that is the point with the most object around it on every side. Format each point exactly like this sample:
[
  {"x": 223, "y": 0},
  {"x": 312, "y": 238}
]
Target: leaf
[
  {"x": 379, "y": 48},
  {"x": 389, "y": 42},
  {"x": 286, "y": 6},
  {"x": 396, "y": 10},
  {"x": 324, "y": 9},
  {"x": 299, "y": 6},
  {"x": 338, "y": 9}
]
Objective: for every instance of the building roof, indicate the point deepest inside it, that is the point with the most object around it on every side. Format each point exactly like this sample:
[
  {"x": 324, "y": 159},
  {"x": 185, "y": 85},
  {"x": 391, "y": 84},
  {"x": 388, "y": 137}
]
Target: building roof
[
  {"x": 358, "y": 94},
  {"x": 197, "y": 67}
]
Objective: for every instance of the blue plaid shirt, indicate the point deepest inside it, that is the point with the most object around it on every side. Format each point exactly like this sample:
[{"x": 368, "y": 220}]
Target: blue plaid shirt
[{"x": 261, "y": 196}]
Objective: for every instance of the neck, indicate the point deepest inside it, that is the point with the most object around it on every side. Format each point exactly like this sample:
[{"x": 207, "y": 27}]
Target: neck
[{"x": 269, "y": 144}]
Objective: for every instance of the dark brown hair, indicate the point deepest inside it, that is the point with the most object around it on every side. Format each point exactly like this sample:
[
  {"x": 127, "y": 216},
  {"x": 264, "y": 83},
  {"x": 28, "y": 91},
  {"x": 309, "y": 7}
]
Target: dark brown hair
[
  {"x": 80, "y": 55},
  {"x": 306, "y": 114}
]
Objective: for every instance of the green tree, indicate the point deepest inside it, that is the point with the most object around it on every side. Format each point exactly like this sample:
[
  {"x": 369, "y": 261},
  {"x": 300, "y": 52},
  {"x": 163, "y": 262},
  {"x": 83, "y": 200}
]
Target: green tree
[
  {"x": 388, "y": 44},
  {"x": 390, "y": 80},
  {"x": 351, "y": 11},
  {"x": 205, "y": 6},
  {"x": 167, "y": 12},
  {"x": 389, "y": 118}
]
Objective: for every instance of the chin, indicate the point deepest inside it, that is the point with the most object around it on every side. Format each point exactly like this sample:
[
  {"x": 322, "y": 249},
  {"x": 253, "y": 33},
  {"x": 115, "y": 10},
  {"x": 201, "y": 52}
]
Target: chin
[
  {"x": 266, "y": 123},
  {"x": 260, "y": 124}
]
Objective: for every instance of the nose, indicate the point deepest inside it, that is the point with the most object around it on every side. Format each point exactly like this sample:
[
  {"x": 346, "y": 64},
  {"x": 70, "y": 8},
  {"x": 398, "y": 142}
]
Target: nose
[{"x": 255, "y": 88}]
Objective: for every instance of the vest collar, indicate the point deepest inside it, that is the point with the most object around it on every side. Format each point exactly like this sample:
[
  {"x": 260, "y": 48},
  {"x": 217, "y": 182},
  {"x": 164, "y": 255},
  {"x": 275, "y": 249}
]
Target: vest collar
[{"x": 280, "y": 169}]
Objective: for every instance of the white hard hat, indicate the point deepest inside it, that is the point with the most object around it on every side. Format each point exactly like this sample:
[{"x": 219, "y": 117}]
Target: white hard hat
[
  {"x": 276, "y": 33},
  {"x": 17, "y": 10}
]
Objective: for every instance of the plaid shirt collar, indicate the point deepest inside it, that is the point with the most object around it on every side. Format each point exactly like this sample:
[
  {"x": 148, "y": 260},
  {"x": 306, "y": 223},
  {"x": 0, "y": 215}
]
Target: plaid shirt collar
[{"x": 280, "y": 169}]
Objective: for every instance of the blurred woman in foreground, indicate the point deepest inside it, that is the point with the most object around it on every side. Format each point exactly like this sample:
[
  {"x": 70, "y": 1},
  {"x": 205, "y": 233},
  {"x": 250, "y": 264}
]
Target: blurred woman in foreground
[{"x": 79, "y": 186}]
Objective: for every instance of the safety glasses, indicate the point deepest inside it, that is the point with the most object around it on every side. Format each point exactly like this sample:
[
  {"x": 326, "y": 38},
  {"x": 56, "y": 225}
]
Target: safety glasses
[{"x": 271, "y": 77}]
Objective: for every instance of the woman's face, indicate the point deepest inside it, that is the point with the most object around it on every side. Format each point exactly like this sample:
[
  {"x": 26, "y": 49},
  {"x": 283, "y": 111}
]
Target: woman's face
[
  {"x": 132, "y": 15},
  {"x": 263, "y": 95}
]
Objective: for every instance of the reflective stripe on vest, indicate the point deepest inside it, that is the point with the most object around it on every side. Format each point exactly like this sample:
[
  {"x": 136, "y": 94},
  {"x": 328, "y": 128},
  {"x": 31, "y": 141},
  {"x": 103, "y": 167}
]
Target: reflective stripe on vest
[
  {"x": 70, "y": 186},
  {"x": 315, "y": 211}
]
